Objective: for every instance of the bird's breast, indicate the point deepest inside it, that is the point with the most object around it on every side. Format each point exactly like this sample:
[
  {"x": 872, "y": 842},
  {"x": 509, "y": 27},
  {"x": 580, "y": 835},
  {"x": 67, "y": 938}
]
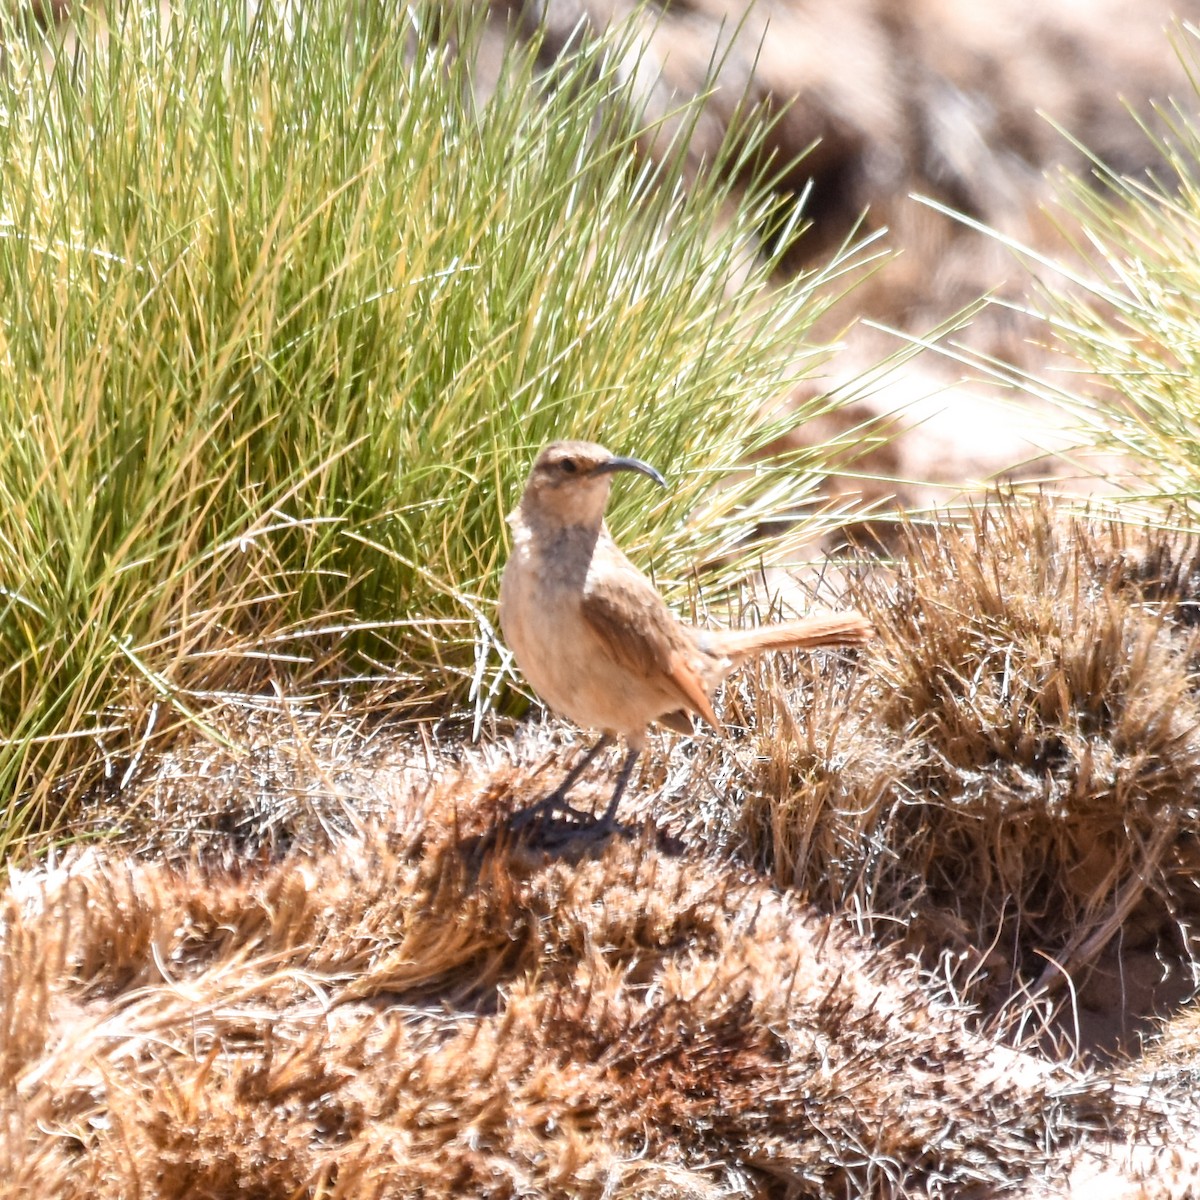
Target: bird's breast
[
  {"x": 540, "y": 598},
  {"x": 556, "y": 648}
]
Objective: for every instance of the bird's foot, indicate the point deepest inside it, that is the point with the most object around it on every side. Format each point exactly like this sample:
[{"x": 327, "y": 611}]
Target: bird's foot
[
  {"x": 554, "y": 822},
  {"x": 558, "y": 822},
  {"x": 549, "y": 808}
]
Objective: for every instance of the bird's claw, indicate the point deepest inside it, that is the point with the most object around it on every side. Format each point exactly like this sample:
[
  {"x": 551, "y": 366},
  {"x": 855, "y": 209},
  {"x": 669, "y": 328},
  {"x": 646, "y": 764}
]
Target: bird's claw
[{"x": 557, "y": 823}]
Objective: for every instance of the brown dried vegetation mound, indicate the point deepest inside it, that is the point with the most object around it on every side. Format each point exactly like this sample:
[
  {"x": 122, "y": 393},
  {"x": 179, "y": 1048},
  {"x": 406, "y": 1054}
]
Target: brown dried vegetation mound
[
  {"x": 1020, "y": 775},
  {"x": 351, "y": 986},
  {"x": 403, "y": 1016}
]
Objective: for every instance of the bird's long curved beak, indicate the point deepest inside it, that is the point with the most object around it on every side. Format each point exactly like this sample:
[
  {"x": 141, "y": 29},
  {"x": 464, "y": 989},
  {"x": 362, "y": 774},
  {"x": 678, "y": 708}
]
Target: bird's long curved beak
[{"x": 629, "y": 464}]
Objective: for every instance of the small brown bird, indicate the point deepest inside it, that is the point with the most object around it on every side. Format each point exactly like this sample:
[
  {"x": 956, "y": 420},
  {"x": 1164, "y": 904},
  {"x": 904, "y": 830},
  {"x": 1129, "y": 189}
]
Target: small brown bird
[{"x": 591, "y": 633}]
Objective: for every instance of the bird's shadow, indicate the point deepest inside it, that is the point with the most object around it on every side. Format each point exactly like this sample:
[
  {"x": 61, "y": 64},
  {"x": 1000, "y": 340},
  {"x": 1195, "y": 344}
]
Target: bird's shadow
[{"x": 566, "y": 832}]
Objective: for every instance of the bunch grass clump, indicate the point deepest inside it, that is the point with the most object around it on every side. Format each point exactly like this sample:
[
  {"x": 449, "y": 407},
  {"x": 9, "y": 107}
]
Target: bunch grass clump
[
  {"x": 1058, "y": 725},
  {"x": 419, "y": 1010},
  {"x": 286, "y": 308},
  {"x": 1012, "y": 786}
]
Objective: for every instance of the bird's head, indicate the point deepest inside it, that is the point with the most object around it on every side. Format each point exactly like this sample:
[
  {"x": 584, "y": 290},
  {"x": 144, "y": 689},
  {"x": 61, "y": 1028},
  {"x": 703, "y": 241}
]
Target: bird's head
[{"x": 570, "y": 482}]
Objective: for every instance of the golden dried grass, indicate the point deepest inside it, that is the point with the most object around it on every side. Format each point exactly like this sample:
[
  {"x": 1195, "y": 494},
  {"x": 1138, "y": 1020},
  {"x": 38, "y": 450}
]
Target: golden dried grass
[
  {"x": 1013, "y": 786},
  {"x": 317, "y": 967},
  {"x": 419, "y": 1011}
]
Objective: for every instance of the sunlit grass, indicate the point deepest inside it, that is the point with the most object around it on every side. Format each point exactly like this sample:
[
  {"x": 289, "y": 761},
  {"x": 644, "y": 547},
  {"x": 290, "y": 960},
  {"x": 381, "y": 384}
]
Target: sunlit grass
[
  {"x": 1116, "y": 302},
  {"x": 285, "y": 311}
]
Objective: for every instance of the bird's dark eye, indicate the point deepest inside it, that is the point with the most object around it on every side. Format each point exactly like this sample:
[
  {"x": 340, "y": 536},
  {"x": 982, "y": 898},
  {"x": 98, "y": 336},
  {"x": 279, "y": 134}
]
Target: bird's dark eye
[{"x": 568, "y": 465}]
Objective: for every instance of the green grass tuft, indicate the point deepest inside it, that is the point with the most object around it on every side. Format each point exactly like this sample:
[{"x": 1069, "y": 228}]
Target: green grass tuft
[
  {"x": 285, "y": 311},
  {"x": 1116, "y": 304}
]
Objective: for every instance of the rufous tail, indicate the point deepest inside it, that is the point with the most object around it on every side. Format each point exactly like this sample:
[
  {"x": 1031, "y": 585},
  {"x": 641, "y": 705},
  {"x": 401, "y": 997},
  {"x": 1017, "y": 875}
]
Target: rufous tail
[{"x": 849, "y": 628}]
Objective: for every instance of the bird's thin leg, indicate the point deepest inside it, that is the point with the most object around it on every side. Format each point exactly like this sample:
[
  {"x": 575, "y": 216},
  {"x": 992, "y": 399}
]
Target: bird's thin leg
[
  {"x": 559, "y": 795},
  {"x": 557, "y": 799},
  {"x": 622, "y": 779}
]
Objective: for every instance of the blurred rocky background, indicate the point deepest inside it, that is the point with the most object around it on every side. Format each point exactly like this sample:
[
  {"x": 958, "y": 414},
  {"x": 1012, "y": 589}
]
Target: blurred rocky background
[{"x": 981, "y": 108}]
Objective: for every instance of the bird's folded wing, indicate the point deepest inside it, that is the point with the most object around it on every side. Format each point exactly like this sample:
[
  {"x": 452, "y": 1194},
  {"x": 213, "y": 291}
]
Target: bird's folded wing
[{"x": 640, "y": 633}]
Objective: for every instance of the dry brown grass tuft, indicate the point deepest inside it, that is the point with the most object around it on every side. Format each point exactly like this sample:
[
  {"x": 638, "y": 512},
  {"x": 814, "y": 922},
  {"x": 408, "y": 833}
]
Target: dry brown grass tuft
[
  {"x": 1015, "y": 783},
  {"x": 315, "y": 966},
  {"x": 425, "y": 1012}
]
